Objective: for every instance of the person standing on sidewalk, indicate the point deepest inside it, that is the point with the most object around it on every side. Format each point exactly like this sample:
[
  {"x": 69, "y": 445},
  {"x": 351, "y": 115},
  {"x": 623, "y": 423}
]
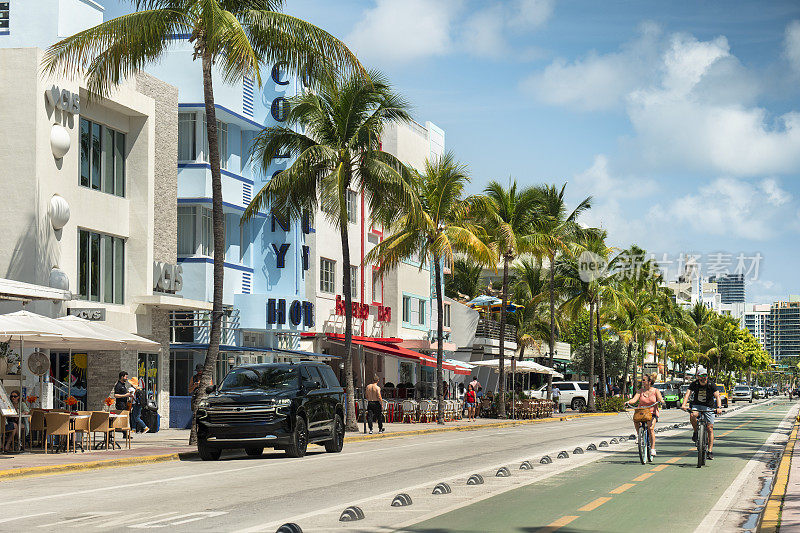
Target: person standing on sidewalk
[
  {"x": 139, "y": 401},
  {"x": 121, "y": 393},
  {"x": 556, "y": 393},
  {"x": 374, "y": 405}
]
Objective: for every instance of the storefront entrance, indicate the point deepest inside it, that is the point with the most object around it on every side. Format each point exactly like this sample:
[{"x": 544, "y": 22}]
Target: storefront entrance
[{"x": 69, "y": 381}]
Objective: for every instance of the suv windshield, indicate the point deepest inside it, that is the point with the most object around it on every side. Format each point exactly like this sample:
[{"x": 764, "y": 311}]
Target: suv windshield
[
  {"x": 266, "y": 378},
  {"x": 742, "y": 389},
  {"x": 661, "y": 386}
]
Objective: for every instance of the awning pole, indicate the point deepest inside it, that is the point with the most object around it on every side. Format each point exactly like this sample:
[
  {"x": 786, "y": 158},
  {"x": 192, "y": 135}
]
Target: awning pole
[
  {"x": 69, "y": 375},
  {"x": 19, "y": 409}
]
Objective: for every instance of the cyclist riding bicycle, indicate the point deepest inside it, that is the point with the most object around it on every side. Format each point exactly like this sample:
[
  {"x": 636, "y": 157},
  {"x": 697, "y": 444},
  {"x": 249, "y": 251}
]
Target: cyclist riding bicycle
[
  {"x": 648, "y": 396},
  {"x": 705, "y": 397}
]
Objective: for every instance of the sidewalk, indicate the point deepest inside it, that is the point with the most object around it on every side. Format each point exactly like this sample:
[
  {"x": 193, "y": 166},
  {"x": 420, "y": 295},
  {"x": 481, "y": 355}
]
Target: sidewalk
[{"x": 172, "y": 445}]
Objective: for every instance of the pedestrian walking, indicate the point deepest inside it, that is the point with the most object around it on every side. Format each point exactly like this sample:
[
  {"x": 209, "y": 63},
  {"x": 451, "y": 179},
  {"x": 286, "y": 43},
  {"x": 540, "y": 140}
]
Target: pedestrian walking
[
  {"x": 374, "y": 405},
  {"x": 470, "y": 400},
  {"x": 556, "y": 396},
  {"x": 123, "y": 397},
  {"x": 139, "y": 401}
]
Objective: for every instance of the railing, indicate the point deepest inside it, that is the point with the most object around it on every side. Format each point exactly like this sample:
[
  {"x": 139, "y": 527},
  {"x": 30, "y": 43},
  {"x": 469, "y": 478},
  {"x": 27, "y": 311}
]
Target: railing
[
  {"x": 60, "y": 395},
  {"x": 490, "y": 329},
  {"x": 195, "y": 326}
]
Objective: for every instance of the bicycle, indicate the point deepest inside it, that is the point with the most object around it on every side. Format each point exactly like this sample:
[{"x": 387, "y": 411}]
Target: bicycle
[
  {"x": 703, "y": 419},
  {"x": 641, "y": 416}
]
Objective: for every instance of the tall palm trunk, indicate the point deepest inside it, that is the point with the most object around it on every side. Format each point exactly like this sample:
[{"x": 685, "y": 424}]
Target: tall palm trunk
[
  {"x": 627, "y": 369},
  {"x": 439, "y": 341},
  {"x": 601, "y": 349},
  {"x": 590, "y": 404},
  {"x": 552, "y": 339},
  {"x": 501, "y": 406},
  {"x": 351, "y": 424},
  {"x": 218, "y": 219}
]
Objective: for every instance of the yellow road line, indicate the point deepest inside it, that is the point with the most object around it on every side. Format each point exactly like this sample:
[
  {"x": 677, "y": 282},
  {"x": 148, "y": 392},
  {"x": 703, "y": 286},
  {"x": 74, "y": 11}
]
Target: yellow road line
[
  {"x": 591, "y": 506},
  {"x": 644, "y": 476},
  {"x": 772, "y": 511},
  {"x": 675, "y": 459},
  {"x": 561, "y": 522},
  {"x": 622, "y": 488},
  {"x": 659, "y": 468}
]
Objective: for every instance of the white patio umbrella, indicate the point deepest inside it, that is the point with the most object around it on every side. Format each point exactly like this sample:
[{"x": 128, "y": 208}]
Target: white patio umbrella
[{"x": 519, "y": 367}]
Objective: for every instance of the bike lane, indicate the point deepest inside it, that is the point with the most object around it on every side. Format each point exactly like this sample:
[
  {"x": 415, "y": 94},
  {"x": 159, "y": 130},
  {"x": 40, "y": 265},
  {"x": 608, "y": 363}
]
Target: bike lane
[{"x": 618, "y": 493}]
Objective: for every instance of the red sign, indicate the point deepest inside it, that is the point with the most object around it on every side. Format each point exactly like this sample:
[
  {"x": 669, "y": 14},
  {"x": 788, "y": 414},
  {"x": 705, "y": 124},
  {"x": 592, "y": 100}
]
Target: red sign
[{"x": 362, "y": 310}]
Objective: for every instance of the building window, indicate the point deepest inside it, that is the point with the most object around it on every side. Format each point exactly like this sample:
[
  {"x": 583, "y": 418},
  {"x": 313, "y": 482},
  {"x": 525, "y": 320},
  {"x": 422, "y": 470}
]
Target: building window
[
  {"x": 189, "y": 218},
  {"x": 222, "y": 135},
  {"x": 352, "y": 206},
  {"x": 377, "y": 287},
  {"x": 101, "y": 267},
  {"x": 187, "y": 137},
  {"x": 102, "y": 158},
  {"x": 413, "y": 311},
  {"x": 446, "y": 316},
  {"x": 327, "y": 275},
  {"x": 353, "y": 282}
]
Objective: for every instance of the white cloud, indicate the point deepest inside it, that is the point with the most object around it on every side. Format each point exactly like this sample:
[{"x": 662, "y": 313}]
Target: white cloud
[
  {"x": 598, "y": 81},
  {"x": 401, "y": 32},
  {"x": 791, "y": 44},
  {"x": 731, "y": 207}
]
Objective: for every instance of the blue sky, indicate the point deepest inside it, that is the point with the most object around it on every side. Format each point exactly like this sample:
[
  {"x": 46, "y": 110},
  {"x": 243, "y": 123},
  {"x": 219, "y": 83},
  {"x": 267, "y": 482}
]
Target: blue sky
[{"x": 680, "y": 118}]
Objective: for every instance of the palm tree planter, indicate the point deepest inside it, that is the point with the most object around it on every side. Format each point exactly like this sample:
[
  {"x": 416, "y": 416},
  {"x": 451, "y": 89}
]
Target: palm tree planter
[
  {"x": 433, "y": 224},
  {"x": 334, "y": 133},
  {"x": 235, "y": 35}
]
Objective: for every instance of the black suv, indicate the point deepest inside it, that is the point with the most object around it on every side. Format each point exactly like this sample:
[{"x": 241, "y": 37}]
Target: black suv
[{"x": 285, "y": 406}]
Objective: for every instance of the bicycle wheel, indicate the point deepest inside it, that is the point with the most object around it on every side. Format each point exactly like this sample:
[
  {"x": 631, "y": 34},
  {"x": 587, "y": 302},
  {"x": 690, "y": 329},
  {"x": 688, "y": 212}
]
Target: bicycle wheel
[
  {"x": 642, "y": 439},
  {"x": 701, "y": 444}
]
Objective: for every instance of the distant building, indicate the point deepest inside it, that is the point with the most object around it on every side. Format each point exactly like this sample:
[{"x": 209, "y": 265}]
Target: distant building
[
  {"x": 782, "y": 337},
  {"x": 730, "y": 287},
  {"x": 755, "y": 321}
]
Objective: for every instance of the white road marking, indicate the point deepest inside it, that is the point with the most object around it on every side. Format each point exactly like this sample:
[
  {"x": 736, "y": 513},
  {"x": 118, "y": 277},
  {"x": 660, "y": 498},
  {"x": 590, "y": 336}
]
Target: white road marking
[
  {"x": 178, "y": 520},
  {"x": 4, "y": 520},
  {"x": 87, "y": 516}
]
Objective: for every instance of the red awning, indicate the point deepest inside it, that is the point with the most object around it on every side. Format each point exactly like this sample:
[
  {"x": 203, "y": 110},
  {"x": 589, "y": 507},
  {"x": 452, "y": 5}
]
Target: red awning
[{"x": 397, "y": 351}]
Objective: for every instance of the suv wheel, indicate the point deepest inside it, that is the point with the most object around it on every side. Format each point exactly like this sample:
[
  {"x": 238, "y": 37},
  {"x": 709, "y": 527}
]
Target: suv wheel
[
  {"x": 336, "y": 443},
  {"x": 206, "y": 452},
  {"x": 578, "y": 404},
  {"x": 254, "y": 451},
  {"x": 299, "y": 439}
]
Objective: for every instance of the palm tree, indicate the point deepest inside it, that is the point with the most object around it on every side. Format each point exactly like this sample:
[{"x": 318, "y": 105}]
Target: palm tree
[
  {"x": 334, "y": 133},
  {"x": 509, "y": 216},
  {"x": 555, "y": 229},
  {"x": 465, "y": 280},
  {"x": 530, "y": 291},
  {"x": 435, "y": 223},
  {"x": 237, "y": 35}
]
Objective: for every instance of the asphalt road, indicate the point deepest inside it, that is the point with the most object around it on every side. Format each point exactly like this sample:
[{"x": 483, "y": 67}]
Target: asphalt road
[{"x": 259, "y": 494}]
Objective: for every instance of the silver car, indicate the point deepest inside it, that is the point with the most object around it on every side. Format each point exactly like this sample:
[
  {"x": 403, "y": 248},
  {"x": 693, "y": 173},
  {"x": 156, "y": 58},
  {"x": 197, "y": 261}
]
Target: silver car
[{"x": 742, "y": 393}]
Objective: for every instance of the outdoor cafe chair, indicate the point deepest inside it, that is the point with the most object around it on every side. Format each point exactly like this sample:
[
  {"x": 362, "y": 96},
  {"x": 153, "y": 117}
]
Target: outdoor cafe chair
[
  {"x": 122, "y": 425},
  {"x": 98, "y": 423},
  {"x": 426, "y": 410},
  {"x": 81, "y": 425},
  {"x": 409, "y": 408},
  {"x": 57, "y": 425},
  {"x": 37, "y": 425}
]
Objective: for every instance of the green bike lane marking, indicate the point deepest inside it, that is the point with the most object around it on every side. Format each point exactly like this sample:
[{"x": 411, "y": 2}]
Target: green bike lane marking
[{"x": 604, "y": 496}]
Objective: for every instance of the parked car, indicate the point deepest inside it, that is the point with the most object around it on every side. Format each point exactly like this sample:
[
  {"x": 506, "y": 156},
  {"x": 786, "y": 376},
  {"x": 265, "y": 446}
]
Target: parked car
[
  {"x": 670, "y": 392},
  {"x": 758, "y": 393},
  {"x": 285, "y": 406},
  {"x": 742, "y": 393},
  {"x": 573, "y": 393}
]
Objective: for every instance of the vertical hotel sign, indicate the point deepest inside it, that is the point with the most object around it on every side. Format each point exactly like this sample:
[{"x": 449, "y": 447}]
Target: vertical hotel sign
[{"x": 5, "y": 16}]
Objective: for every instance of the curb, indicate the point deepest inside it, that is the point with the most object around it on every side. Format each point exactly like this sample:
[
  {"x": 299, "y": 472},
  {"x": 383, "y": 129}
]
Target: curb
[
  {"x": 93, "y": 465},
  {"x": 510, "y": 423},
  {"x": 17, "y": 473},
  {"x": 771, "y": 517}
]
